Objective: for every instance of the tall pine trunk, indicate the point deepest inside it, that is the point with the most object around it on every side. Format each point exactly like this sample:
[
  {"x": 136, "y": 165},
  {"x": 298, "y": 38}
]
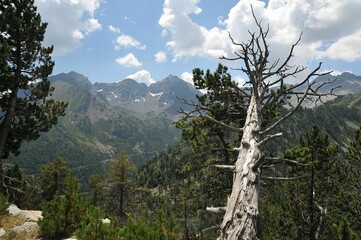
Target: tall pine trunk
[
  {"x": 4, "y": 133},
  {"x": 241, "y": 220}
]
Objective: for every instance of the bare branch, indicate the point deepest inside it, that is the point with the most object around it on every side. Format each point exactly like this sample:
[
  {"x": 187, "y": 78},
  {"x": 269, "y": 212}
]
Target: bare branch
[
  {"x": 297, "y": 106},
  {"x": 223, "y": 167},
  {"x": 283, "y": 160},
  {"x": 221, "y": 124},
  {"x": 269, "y": 137},
  {"x": 210, "y": 229},
  {"x": 283, "y": 178},
  {"x": 216, "y": 209}
]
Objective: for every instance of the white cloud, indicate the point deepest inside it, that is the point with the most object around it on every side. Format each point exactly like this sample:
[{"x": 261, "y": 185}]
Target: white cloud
[
  {"x": 187, "y": 36},
  {"x": 78, "y": 34},
  {"x": 160, "y": 57},
  {"x": 240, "y": 80},
  {"x": 188, "y": 77},
  {"x": 69, "y": 21},
  {"x": 128, "y": 60},
  {"x": 92, "y": 25},
  {"x": 331, "y": 29},
  {"x": 128, "y": 41},
  {"x": 347, "y": 48},
  {"x": 114, "y": 29},
  {"x": 142, "y": 76}
]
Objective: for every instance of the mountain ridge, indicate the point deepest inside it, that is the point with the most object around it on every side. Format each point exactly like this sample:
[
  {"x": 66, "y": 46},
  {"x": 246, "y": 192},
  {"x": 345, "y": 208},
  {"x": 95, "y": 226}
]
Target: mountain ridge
[{"x": 105, "y": 119}]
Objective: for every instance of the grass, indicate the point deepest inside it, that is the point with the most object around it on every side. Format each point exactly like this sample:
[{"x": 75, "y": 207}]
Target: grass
[{"x": 8, "y": 222}]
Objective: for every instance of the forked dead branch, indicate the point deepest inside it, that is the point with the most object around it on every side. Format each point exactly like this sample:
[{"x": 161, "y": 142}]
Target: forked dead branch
[{"x": 265, "y": 91}]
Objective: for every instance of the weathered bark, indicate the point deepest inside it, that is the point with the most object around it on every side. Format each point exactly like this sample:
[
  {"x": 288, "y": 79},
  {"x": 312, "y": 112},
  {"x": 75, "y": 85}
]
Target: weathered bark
[{"x": 242, "y": 215}]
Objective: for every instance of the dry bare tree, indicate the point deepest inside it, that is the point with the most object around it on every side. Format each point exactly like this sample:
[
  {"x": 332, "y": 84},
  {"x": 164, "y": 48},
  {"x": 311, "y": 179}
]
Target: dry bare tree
[{"x": 241, "y": 218}]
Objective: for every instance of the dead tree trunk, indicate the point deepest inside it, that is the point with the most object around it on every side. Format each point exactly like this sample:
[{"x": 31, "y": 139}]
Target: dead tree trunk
[
  {"x": 241, "y": 217},
  {"x": 266, "y": 91}
]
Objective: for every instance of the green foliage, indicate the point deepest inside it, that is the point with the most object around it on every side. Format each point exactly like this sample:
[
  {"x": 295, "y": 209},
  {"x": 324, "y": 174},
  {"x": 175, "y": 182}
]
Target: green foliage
[
  {"x": 26, "y": 109},
  {"x": 171, "y": 182},
  {"x": 4, "y": 204},
  {"x": 344, "y": 231},
  {"x": 224, "y": 101},
  {"x": 96, "y": 188},
  {"x": 52, "y": 178},
  {"x": 14, "y": 185},
  {"x": 162, "y": 226},
  {"x": 93, "y": 228},
  {"x": 350, "y": 181},
  {"x": 119, "y": 185},
  {"x": 309, "y": 205},
  {"x": 53, "y": 223},
  {"x": 63, "y": 215}
]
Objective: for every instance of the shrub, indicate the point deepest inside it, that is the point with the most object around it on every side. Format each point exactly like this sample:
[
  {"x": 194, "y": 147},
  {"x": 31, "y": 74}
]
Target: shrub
[
  {"x": 63, "y": 215},
  {"x": 4, "y": 205},
  {"x": 161, "y": 227},
  {"x": 93, "y": 228}
]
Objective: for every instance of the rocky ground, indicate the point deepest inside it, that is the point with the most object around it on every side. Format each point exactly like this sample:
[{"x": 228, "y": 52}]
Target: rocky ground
[{"x": 20, "y": 224}]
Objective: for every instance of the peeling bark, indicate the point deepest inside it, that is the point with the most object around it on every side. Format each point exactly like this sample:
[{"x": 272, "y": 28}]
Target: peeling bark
[{"x": 242, "y": 215}]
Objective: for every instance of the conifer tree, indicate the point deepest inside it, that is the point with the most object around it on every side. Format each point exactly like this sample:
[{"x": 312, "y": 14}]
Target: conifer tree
[
  {"x": 52, "y": 178},
  {"x": 314, "y": 193},
  {"x": 118, "y": 184},
  {"x": 96, "y": 187},
  {"x": 64, "y": 214},
  {"x": 351, "y": 181},
  {"x": 25, "y": 109}
]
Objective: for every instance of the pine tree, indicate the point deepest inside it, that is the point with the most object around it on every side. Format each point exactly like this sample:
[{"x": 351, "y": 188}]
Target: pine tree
[
  {"x": 52, "y": 178},
  {"x": 313, "y": 194},
  {"x": 118, "y": 185},
  {"x": 64, "y": 214},
  {"x": 25, "y": 65},
  {"x": 351, "y": 182},
  {"x": 96, "y": 186}
]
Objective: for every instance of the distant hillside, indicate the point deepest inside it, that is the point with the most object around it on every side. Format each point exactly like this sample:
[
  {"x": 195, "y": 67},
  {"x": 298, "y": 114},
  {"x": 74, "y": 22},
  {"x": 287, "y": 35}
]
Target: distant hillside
[
  {"x": 105, "y": 119},
  {"x": 339, "y": 119}
]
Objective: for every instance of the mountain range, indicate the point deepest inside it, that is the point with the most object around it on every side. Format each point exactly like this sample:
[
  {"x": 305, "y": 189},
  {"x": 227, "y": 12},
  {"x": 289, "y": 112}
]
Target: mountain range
[
  {"x": 104, "y": 120},
  {"x": 107, "y": 119}
]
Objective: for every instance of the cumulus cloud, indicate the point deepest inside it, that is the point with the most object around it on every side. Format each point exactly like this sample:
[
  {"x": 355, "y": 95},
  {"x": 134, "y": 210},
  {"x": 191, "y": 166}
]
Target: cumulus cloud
[
  {"x": 160, "y": 57},
  {"x": 188, "y": 77},
  {"x": 69, "y": 21},
  {"x": 128, "y": 41},
  {"x": 128, "y": 60},
  {"x": 92, "y": 25},
  {"x": 114, "y": 29},
  {"x": 347, "y": 48},
  {"x": 331, "y": 29},
  {"x": 142, "y": 76},
  {"x": 187, "y": 36}
]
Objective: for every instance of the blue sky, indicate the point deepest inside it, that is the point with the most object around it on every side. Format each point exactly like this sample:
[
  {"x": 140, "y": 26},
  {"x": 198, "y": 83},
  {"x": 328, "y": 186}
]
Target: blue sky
[{"x": 110, "y": 40}]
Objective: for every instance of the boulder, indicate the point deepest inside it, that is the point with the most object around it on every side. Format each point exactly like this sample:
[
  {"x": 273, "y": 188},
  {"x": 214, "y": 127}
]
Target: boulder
[
  {"x": 2, "y": 232},
  {"x": 26, "y": 227}
]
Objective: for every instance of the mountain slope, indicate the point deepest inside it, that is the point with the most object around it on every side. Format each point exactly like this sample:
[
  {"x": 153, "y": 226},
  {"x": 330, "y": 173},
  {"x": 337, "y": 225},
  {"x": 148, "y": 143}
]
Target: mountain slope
[{"x": 106, "y": 119}]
